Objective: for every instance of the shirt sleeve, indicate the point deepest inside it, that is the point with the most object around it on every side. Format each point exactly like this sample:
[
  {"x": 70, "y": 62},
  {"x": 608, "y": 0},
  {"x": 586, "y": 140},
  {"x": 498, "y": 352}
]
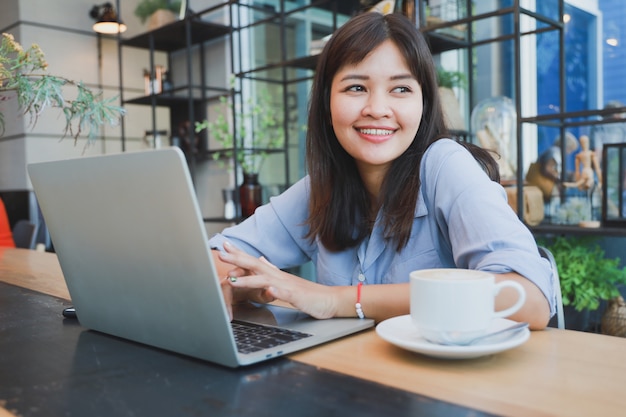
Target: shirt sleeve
[
  {"x": 276, "y": 230},
  {"x": 472, "y": 211}
]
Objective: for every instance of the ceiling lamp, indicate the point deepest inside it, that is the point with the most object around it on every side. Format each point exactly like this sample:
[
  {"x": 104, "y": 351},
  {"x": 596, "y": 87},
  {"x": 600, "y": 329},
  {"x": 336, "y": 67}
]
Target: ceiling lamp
[{"x": 106, "y": 19}]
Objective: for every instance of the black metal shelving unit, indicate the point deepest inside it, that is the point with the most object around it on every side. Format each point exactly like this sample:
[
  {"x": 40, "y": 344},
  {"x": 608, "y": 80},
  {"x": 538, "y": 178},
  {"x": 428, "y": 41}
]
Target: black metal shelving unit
[
  {"x": 562, "y": 120},
  {"x": 187, "y": 102},
  {"x": 440, "y": 42},
  {"x": 292, "y": 66}
]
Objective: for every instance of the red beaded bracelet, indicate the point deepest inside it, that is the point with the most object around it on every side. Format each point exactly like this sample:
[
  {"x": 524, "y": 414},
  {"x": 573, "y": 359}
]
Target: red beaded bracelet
[{"x": 359, "y": 309}]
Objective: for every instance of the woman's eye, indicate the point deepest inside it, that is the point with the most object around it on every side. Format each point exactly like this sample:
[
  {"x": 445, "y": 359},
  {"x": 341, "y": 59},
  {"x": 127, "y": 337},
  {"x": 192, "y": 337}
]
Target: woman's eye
[
  {"x": 355, "y": 88},
  {"x": 402, "y": 89}
]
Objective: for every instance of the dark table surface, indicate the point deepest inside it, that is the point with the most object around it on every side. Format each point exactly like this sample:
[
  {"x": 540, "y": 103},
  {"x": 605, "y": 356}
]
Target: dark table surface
[{"x": 51, "y": 366}]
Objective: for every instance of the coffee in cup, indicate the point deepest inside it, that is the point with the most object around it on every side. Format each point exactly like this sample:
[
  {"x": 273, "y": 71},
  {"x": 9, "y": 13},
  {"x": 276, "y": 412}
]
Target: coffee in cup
[{"x": 457, "y": 305}]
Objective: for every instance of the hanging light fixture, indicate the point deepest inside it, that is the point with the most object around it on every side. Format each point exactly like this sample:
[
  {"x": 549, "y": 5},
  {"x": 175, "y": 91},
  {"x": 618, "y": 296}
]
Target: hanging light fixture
[{"x": 106, "y": 19}]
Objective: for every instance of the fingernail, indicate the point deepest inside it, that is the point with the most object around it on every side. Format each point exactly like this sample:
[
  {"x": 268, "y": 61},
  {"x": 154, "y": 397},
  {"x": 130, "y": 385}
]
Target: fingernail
[{"x": 225, "y": 255}]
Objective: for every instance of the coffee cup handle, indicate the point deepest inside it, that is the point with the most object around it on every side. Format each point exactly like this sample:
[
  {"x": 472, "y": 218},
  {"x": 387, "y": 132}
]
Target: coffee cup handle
[{"x": 520, "y": 300}]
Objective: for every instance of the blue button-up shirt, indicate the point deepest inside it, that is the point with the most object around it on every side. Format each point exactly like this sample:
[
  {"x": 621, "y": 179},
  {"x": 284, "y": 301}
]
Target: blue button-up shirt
[{"x": 462, "y": 220}]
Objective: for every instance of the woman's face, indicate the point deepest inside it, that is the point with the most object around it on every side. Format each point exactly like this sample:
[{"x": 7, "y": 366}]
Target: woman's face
[{"x": 376, "y": 107}]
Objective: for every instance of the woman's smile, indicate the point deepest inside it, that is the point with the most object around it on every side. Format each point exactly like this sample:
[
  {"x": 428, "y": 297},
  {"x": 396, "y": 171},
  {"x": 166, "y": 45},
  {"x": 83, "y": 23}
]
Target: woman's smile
[{"x": 376, "y": 134}]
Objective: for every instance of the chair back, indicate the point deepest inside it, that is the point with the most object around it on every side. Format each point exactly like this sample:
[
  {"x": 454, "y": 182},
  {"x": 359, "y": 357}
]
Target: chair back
[
  {"x": 545, "y": 253},
  {"x": 24, "y": 234}
]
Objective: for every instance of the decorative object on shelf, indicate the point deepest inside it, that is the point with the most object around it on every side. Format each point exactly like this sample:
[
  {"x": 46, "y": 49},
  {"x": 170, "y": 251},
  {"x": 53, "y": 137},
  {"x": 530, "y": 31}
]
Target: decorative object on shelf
[
  {"x": 153, "y": 139},
  {"x": 250, "y": 194},
  {"x": 575, "y": 210},
  {"x": 383, "y": 7},
  {"x": 407, "y": 8},
  {"x": 159, "y": 12},
  {"x": 154, "y": 81},
  {"x": 166, "y": 81},
  {"x": 545, "y": 173},
  {"x": 587, "y": 276},
  {"x": 183, "y": 139},
  {"x": 259, "y": 132},
  {"x": 493, "y": 120},
  {"x": 613, "y": 321},
  {"x": 614, "y": 185},
  {"x": 106, "y": 18},
  {"x": 533, "y": 203},
  {"x": 230, "y": 208},
  {"x": 23, "y": 76},
  {"x": 447, "y": 80},
  {"x": 586, "y": 166}
]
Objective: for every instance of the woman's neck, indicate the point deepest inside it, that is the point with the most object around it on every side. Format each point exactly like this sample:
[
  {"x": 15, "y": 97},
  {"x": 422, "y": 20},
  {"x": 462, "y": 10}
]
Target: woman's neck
[{"x": 373, "y": 178}]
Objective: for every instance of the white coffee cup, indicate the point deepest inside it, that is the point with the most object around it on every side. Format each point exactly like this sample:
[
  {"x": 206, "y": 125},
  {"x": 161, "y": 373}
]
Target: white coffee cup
[{"x": 457, "y": 305}]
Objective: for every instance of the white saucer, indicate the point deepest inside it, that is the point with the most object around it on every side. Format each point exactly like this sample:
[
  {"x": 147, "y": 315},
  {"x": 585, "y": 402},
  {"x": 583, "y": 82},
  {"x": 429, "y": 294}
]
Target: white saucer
[{"x": 401, "y": 332}]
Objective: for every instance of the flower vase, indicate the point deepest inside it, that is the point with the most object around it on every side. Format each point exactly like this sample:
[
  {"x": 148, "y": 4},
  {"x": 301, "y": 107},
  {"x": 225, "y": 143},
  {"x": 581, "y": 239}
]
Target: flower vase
[{"x": 250, "y": 194}]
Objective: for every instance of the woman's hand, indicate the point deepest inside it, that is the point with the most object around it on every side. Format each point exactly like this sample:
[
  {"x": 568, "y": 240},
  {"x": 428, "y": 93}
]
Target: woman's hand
[
  {"x": 258, "y": 280},
  {"x": 237, "y": 295}
]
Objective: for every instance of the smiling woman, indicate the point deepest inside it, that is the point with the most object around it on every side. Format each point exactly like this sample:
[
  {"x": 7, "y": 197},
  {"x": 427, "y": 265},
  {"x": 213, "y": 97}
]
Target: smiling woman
[{"x": 387, "y": 193}]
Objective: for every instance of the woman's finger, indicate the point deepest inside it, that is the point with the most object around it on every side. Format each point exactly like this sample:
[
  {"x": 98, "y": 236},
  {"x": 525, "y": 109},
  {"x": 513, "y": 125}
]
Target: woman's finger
[
  {"x": 227, "y": 293},
  {"x": 237, "y": 257},
  {"x": 265, "y": 261},
  {"x": 258, "y": 281}
]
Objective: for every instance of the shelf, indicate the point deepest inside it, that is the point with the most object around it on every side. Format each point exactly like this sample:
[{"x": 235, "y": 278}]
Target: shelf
[
  {"x": 175, "y": 97},
  {"x": 223, "y": 152},
  {"x": 164, "y": 100},
  {"x": 222, "y": 220},
  {"x": 440, "y": 43},
  {"x": 307, "y": 62},
  {"x": 558, "y": 229},
  {"x": 172, "y": 37},
  {"x": 187, "y": 97}
]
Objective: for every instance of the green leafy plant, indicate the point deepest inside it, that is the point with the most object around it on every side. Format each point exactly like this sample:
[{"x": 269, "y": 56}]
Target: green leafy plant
[
  {"x": 24, "y": 71},
  {"x": 450, "y": 79},
  {"x": 259, "y": 131},
  {"x": 587, "y": 276},
  {"x": 146, "y": 8}
]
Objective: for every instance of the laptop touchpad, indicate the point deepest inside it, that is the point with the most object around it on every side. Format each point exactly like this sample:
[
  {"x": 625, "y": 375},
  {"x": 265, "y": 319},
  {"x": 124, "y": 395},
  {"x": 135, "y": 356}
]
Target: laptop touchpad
[{"x": 267, "y": 314}]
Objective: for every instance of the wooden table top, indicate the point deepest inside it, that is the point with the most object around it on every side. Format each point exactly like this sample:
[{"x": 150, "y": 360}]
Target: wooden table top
[
  {"x": 555, "y": 373},
  {"x": 39, "y": 271}
]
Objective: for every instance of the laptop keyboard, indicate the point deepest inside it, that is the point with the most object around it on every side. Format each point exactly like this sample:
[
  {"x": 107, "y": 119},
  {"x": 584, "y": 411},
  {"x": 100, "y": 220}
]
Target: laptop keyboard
[{"x": 252, "y": 337}]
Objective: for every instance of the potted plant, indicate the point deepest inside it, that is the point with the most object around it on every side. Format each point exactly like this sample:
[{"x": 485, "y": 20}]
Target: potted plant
[
  {"x": 23, "y": 72},
  {"x": 157, "y": 12},
  {"x": 447, "y": 80},
  {"x": 450, "y": 79},
  {"x": 259, "y": 131},
  {"x": 587, "y": 276}
]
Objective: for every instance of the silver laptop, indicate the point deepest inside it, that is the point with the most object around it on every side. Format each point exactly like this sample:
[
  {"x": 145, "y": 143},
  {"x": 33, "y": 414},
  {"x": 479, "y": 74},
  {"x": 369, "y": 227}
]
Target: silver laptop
[{"x": 134, "y": 252}]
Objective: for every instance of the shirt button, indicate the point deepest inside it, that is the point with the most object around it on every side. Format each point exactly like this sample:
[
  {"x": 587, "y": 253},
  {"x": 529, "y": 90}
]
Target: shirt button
[{"x": 361, "y": 277}]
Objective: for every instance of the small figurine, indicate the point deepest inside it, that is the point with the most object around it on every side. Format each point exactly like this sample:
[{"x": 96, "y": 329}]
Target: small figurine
[{"x": 586, "y": 165}]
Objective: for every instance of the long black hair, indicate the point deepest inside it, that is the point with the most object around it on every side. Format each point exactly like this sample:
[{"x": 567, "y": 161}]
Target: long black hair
[{"x": 339, "y": 207}]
